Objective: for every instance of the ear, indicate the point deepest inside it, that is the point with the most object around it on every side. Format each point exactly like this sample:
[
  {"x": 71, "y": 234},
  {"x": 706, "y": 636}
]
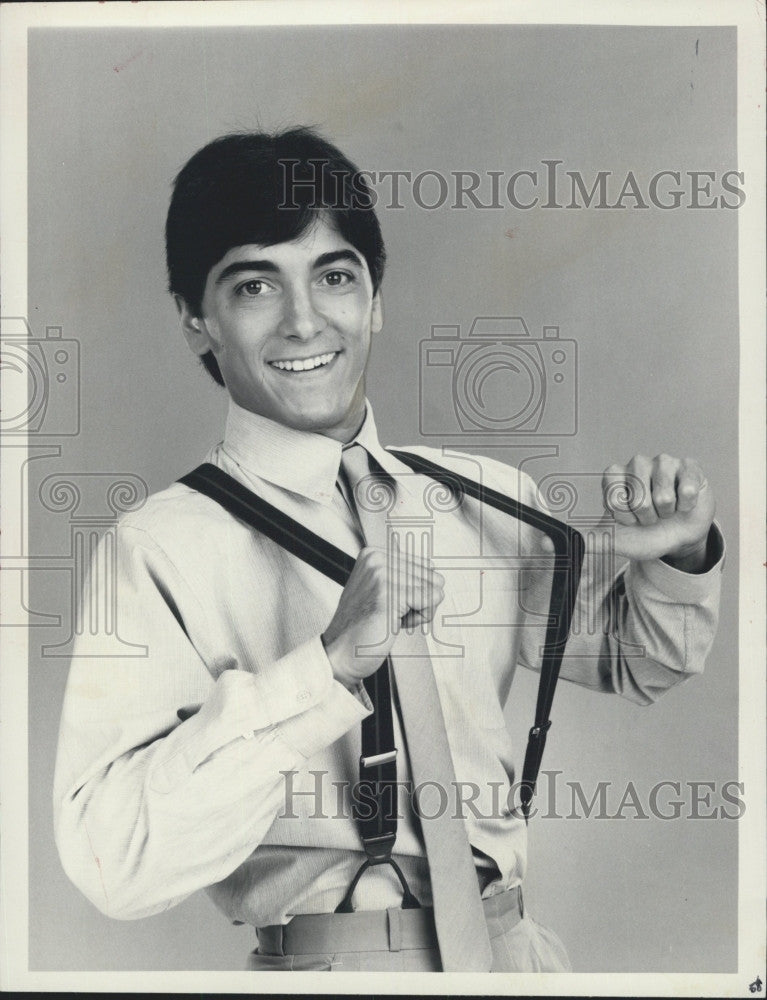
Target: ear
[
  {"x": 193, "y": 327},
  {"x": 376, "y": 315}
]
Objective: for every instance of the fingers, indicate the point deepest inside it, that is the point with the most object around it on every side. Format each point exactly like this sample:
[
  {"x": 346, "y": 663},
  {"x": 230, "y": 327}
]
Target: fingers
[
  {"x": 663, "y": 485},
  {"x": 546, "y": 545},
  {"x": 377, "y": 558},
  {"x": 187, "y": 711},
  {"x": 647, "y": 490},
  {"x": 690, "y": 481},
  {"x": 412, "y": 619},
  {"x": 411, "y": 582},
  {"x": 640, "y": 503},
  {"x": 421, "y": 587},
  {"x": 623, "y": 492}
]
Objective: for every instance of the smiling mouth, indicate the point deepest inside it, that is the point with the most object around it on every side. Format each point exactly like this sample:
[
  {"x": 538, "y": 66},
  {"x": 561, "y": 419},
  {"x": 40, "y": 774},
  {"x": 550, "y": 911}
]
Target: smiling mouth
[{"x": 305, "y": 364}]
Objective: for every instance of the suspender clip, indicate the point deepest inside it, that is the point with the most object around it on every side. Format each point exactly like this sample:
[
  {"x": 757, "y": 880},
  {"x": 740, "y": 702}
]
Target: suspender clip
[
  {"x": 379, "y": 758},
  {"x": 378, "y": 849},
  {"x": 540, "y": 731}
]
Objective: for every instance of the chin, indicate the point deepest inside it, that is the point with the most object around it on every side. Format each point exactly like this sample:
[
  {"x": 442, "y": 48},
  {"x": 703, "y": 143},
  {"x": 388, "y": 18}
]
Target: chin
[
  {"x": 323, "y": 421},
  {"x": 305, "y": 419}
]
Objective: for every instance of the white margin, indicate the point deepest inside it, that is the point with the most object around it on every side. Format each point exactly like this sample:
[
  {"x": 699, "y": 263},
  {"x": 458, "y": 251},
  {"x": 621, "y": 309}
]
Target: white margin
[{"x": 748, "y": 17}]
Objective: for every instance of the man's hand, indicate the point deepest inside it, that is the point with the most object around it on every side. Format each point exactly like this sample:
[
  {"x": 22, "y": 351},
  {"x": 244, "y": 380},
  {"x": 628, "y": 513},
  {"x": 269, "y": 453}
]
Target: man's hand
[
  {"x": 379, "y": 594},
  {"x": 663, "y": 509}
]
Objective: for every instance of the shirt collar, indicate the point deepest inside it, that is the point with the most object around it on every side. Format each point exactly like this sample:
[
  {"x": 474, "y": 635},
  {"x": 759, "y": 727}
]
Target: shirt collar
[{"x": 300, "y": 461}]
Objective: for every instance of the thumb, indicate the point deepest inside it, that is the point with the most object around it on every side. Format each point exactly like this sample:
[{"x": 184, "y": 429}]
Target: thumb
[{"x": 545, "y": 545}]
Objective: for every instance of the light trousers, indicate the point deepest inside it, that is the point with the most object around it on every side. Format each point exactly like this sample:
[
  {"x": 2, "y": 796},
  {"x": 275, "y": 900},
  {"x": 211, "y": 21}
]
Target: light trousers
[{"x": 519, "y": 944}]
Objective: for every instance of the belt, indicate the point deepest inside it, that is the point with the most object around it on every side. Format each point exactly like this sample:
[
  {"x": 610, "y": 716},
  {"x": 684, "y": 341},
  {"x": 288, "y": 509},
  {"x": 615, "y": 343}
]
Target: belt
[{"x": 394, "y": 929}]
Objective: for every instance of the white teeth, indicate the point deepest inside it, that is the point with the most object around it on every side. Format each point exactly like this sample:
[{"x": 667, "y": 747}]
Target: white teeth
[{"x": 306, "y": 364}]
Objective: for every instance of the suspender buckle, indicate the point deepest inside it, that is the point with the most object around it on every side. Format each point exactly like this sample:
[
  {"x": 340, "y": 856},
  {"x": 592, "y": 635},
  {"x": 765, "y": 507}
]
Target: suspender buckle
[
  {"x": 380, "y": 758},
  {"x": 379, "y": 848},
  {"x": 540, "y": 731}
]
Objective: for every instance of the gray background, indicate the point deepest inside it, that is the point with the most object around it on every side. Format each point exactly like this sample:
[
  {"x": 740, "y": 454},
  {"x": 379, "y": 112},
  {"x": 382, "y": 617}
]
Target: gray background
[{"x": 650, "y": 297}]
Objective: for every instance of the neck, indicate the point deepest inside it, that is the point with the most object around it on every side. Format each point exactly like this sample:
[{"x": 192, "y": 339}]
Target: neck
[{"x": 349, "y": 428}]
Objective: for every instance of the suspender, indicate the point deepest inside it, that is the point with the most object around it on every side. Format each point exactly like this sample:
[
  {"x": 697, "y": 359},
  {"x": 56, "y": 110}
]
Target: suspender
[
  {"x": 568, "y": 553},
  {"x": 377, "y": 788},
  {"x": 378, "y": 768}
]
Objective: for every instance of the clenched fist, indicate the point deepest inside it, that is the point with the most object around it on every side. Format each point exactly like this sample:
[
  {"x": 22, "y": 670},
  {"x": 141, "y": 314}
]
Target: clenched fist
[
  {"x": 380, "y": 595},
  {"x": 663, "y": 509}
]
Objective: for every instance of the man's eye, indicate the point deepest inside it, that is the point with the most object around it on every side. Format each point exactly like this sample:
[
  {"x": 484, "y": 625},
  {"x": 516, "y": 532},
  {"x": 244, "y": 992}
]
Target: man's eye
[
  {"x": 336, "y": 279},
  {"x": 253, "y": 287}
]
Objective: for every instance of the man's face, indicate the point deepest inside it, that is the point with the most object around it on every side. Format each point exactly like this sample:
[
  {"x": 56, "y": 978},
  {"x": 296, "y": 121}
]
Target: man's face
[{"x": 290, "y": 327}]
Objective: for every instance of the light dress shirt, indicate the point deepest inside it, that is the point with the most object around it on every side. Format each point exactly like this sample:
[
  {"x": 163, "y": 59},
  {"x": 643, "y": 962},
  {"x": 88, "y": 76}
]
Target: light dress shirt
[{"x": 249, "y": 797}]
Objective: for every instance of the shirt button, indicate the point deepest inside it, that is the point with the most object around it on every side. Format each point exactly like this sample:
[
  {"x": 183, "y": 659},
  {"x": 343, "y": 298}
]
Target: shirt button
[{"x": 303, "y": 696}]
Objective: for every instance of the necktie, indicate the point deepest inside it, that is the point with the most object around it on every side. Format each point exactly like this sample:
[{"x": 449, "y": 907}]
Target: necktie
[{"x": 459, "y": 917}]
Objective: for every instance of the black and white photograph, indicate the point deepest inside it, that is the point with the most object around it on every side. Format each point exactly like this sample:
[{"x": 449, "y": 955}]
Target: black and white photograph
[{"x": 383, "y": 498}]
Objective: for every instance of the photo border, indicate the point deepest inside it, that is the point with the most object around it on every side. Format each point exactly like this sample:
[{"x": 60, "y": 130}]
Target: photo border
[{"x": 748, "y": 17}]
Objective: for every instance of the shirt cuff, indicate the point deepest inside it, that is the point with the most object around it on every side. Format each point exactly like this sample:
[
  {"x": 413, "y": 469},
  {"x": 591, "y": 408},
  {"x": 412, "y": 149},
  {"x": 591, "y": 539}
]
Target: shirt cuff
[
  {"x": 681, "y": 587},
  {"x": 297, "y": 696},
  {"x": 322, "y": 725},
  {"x": 299, "y": 681}
]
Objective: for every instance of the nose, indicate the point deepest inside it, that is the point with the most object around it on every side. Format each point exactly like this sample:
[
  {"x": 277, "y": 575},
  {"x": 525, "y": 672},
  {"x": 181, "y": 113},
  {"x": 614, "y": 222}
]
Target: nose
[{"x": 300, "y": 319}]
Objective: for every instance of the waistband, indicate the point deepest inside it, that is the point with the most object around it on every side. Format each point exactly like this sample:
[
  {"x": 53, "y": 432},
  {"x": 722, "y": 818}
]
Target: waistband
[{"x": 394, "y": 929}]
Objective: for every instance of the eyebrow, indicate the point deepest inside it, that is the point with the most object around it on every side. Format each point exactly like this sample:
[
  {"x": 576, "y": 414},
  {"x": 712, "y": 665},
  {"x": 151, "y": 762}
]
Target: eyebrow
[{"x": 269, "y": 267}]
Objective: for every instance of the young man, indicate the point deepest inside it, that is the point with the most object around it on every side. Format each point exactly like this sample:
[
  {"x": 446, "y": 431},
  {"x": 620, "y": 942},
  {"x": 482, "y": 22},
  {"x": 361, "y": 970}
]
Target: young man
[{"x": 226, "y": 758}]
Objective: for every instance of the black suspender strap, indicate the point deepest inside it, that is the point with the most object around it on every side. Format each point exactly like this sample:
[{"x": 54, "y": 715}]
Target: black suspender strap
[
  {"x": 374, "y": 805},
  {"x": 378, "y": 768},
  {"x": 568, "y": 559},
  {"x": 374, "y": 801},
  {"x": 270, "y": 521}
]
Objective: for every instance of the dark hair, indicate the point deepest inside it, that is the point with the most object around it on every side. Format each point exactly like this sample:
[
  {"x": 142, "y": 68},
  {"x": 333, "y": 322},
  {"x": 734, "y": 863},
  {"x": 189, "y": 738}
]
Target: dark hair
[{"x": 256, "y": 187}]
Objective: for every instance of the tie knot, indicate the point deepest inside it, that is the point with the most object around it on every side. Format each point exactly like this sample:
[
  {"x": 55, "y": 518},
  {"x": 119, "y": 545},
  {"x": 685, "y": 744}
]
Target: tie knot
[
  {"x": 358, "y": 469},
  {"x": 355, "y": 462}
]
